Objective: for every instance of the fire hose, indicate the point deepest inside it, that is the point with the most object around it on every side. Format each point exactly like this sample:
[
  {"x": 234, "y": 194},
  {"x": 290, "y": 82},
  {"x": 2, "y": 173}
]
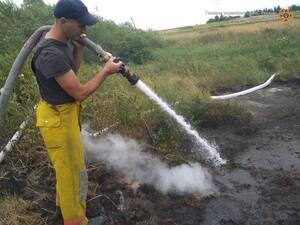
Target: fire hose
[{"x": 245, "y": 92}]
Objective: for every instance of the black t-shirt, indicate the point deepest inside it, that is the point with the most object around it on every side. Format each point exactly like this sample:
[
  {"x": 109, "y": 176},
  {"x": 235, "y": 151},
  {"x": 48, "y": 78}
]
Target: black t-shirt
[{"x": 54, "y": 59}]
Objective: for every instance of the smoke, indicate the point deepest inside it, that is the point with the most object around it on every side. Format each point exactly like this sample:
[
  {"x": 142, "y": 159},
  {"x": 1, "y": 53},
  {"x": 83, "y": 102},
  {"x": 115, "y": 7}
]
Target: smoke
[{"x": 125, "y": 156}]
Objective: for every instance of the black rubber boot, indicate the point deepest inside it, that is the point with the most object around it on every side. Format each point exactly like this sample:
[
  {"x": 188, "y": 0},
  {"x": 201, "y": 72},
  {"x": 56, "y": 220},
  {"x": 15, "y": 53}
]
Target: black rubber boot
[
  {"x": 57, "y": 217},
  {"x": 99, "y": 220}
]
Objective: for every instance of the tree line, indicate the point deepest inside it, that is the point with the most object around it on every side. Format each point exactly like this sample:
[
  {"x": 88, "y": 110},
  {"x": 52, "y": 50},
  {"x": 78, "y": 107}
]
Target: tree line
[
  {"x": 256, "y": 12},
  {"x": 267, "y": 11}
]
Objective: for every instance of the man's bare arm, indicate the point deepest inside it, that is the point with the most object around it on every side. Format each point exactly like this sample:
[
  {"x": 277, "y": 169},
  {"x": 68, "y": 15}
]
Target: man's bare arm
[{"x": 71, "y": 84}]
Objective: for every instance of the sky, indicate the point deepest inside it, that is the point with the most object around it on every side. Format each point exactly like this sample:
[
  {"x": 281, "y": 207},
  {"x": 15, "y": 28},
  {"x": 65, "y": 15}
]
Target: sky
[{"x": 165, "y": 14}]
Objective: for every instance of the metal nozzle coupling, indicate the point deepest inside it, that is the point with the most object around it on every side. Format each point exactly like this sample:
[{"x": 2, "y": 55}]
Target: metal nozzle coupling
[
  {"x": 105, "y": 56},
  {"x": 132, "y": 78}
]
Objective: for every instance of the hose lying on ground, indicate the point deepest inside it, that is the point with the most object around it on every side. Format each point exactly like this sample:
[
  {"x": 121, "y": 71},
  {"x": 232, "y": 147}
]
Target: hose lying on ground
[
  {"x": 13, "y": 140},
  {"x": 234, "y": 95}
]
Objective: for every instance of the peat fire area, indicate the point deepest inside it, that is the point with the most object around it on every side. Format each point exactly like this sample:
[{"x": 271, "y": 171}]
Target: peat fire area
[{"x": 261, "y": 182}]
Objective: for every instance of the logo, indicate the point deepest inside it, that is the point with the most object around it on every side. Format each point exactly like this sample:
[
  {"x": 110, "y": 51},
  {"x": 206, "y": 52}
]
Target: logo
[{"x": 285, "y": 15}]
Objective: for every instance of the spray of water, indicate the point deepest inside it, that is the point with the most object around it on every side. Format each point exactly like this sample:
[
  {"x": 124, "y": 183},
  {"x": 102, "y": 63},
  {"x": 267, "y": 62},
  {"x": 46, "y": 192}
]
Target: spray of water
[
  {"x": 126, "y": 156},
  {"x": 211, "y": 150}
]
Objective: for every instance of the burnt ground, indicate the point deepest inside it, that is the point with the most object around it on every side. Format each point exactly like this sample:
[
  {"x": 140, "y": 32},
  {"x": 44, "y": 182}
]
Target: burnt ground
[{"x": 259, "y": 185}]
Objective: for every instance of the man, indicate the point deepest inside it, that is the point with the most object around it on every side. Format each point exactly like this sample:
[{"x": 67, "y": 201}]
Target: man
[{"x": 55, "y": 64}]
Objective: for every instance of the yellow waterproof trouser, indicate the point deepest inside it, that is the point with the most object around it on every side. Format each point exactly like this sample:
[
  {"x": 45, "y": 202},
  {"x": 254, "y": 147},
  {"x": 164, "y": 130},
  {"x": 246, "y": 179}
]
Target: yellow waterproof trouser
[{"x": 60, "y": 129}]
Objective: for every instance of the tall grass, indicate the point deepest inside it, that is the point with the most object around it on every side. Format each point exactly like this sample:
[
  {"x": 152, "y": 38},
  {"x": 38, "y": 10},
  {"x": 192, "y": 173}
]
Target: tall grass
[{"x": 232, "y": 59}]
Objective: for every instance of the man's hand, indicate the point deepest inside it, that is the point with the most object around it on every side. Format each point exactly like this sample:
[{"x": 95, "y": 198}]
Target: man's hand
[
  {"x": 77, "y": 45},
  {"x": 78, "y": 53},
  {"x": 111, "y": 67}
]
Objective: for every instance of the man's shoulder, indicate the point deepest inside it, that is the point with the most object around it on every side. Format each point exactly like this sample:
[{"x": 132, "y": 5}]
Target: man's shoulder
[
  {"x": 51, "y": 58},
  {"x": 50, "y": 50},
  {"x": 50, "y": 46}
]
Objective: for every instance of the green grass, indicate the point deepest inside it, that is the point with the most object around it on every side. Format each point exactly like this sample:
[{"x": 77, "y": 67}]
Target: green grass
[{"x": 231, "y": 58}]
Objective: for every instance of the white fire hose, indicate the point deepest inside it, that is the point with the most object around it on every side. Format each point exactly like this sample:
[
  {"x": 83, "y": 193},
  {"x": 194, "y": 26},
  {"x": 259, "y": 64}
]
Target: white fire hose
[
  {"x": 9, "y": 146},
  {"x": 248, "y": 91},
  {"x": 15, "y": 138}
]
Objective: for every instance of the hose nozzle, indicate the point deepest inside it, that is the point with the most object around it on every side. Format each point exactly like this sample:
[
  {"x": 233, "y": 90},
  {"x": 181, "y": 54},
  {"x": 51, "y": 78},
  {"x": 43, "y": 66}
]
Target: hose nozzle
[
  {"x": 105, "y": 56},
  {"x": 131, "y": 77}
]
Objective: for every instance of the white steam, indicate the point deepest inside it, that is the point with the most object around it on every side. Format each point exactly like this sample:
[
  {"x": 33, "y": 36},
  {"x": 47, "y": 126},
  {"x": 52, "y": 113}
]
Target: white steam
[{"x": 125, "y": 156}]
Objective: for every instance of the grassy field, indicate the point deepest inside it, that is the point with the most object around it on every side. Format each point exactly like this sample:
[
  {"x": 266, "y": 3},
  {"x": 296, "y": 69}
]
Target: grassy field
[{"x": 260, "y": 22}]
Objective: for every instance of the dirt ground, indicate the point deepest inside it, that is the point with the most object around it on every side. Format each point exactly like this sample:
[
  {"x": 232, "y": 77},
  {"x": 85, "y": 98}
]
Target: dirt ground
[{"x": 260, "y": 185}]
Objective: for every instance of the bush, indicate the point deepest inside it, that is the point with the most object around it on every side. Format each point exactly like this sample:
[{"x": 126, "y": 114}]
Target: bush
[{"x": 124, "y": 41}]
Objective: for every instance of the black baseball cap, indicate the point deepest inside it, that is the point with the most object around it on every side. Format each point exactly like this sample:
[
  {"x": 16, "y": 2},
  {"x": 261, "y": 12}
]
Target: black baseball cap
[{"x": 74, "y": 9}]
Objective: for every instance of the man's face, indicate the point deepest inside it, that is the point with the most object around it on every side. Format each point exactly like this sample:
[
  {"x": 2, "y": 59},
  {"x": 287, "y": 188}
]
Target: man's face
[{"x": 73, "y": 29}]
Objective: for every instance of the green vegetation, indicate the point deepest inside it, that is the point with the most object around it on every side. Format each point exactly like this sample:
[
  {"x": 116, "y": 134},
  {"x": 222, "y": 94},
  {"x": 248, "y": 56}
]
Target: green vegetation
[
  {"x": 183, "y": 66},
  {"x": 18, "y": 23},
  {"x": 222, "y": 18}
]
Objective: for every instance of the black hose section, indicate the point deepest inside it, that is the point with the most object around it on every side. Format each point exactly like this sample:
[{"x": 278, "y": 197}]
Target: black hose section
[
  {"x": 97, "y": 49},
  {"x": 36, "y": 36},
  {"x": 105, "y": 56}
]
